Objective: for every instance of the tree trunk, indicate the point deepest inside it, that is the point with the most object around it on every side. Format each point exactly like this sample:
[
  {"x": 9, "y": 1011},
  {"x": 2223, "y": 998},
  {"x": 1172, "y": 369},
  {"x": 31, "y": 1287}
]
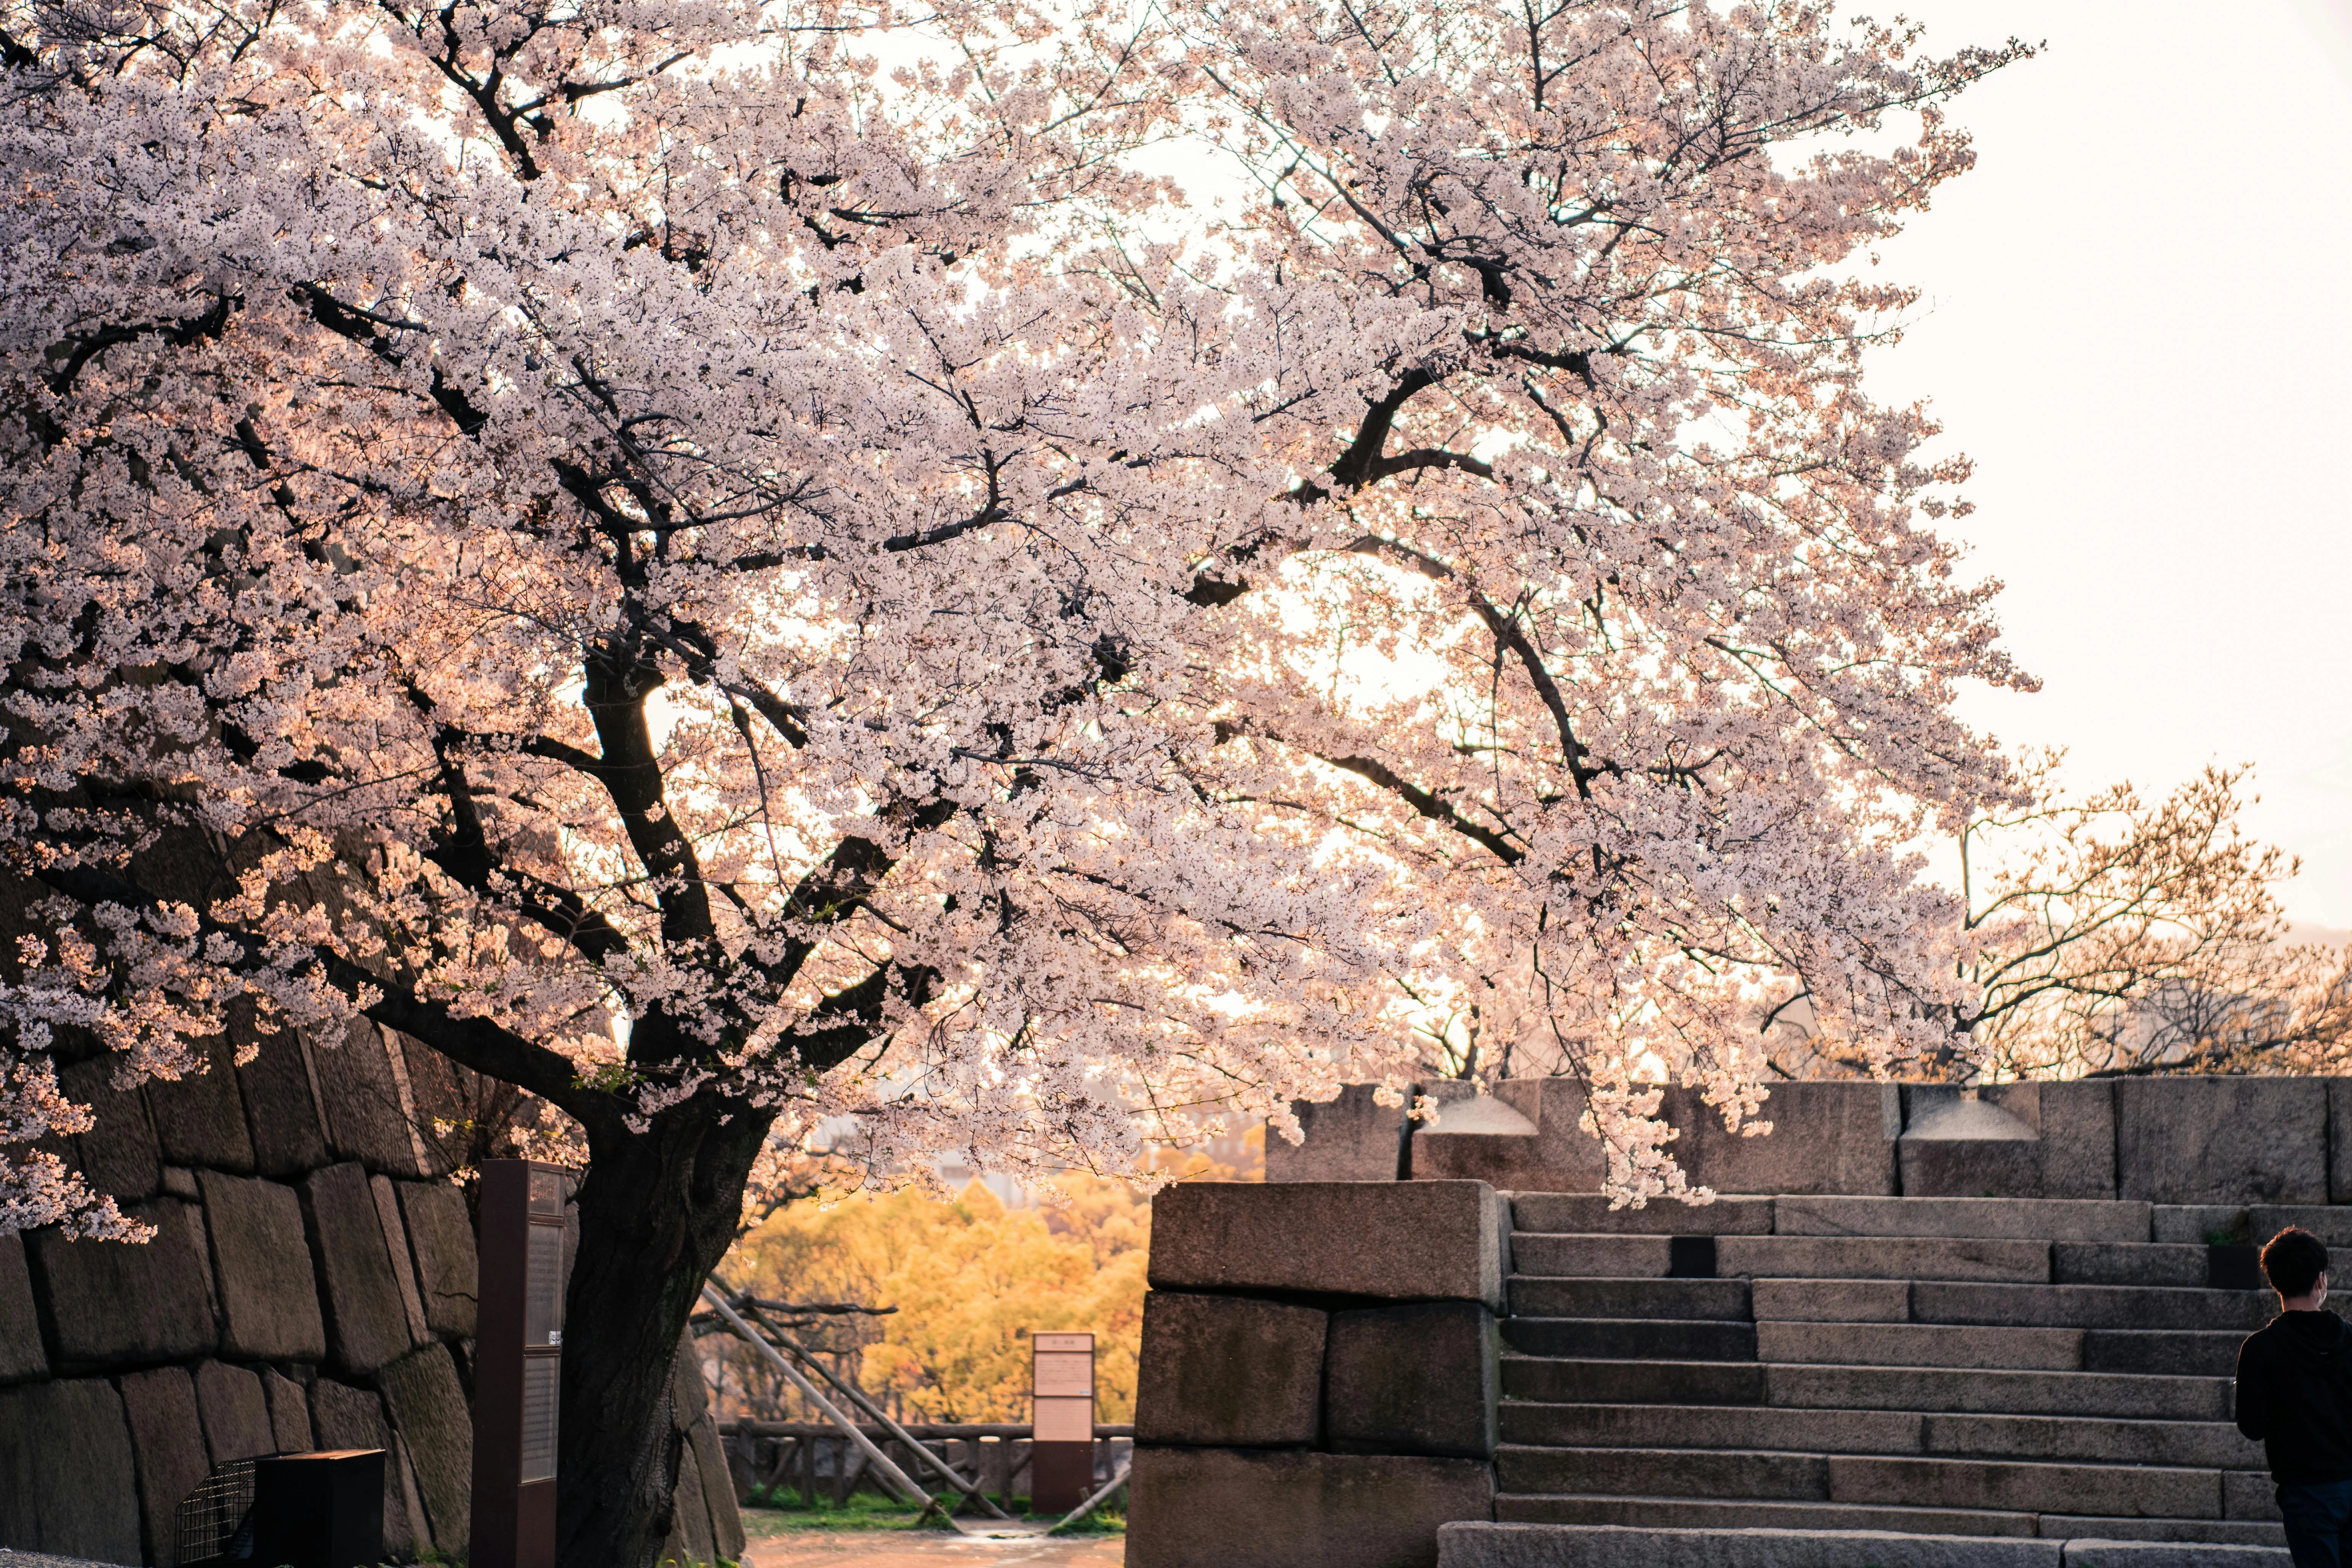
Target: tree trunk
[{"x": 657, "y": 1211}]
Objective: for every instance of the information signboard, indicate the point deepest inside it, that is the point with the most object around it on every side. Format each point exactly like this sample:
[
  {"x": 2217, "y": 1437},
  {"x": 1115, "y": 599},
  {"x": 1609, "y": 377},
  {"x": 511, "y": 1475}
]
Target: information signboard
[
  {"x": 517, "y": 1363},
  {"x": 1062, "y": 1420}
]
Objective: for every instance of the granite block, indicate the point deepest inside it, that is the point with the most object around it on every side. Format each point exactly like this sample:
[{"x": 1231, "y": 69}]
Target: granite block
[
  {"x": 22, "y": 1355},
  {"x": 1229, "y": 1372},
  {"x": 167, "y": 1438},
  {"x": 1415, "y": 1379},
  {"x": 1350, "y": 1139},
  {"x": 1287, "y": 1508},
  {"x": 366, "y": 1326},
  {"x": 268, "y": 1295},
  {"x": 429, "y": 1409},
  {"x": 441, "y": 1241},
  {"x": 234, "y": 1412},
  {"x": 199, "y": 1118},
  {"x": 2221, "y": 1139},
  {"x": 75, "y": 1492},
  {"x": 1395, "y": 1241},
  {"x": 112, "y": 1304}
]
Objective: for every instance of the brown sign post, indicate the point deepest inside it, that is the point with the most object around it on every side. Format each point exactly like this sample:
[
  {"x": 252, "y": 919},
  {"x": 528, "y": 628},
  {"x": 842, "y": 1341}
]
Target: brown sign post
[
  {"x": 1062, "y": 1421},
  {"x": 517, "y": 1365}
]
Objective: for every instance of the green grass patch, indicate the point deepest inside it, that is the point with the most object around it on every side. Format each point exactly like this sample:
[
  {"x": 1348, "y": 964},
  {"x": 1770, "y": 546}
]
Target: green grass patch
[{"x": 774, "y": 1511}]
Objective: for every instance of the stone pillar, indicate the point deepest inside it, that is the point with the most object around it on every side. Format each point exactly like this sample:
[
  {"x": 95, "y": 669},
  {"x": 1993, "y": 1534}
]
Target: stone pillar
[{"x": 1317, "y": 1384}]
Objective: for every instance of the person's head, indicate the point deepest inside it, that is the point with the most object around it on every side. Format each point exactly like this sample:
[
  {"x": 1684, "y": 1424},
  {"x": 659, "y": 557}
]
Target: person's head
[{"x": 2294, "y": 1262}]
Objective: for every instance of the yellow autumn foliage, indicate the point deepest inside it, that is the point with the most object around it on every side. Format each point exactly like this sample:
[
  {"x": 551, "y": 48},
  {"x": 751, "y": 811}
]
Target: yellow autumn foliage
[{"x": 971, "y": 1279}]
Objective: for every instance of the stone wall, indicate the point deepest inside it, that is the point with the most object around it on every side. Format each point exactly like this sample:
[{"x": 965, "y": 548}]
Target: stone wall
[
  {"x": 310, "y": 1285},
  {"x": 2215, "y": 1141},
  {"x": 1318, "y": 1371}
]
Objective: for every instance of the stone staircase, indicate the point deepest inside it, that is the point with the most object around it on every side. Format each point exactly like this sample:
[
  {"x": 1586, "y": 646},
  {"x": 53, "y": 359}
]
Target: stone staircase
[{"x": 2056, "y": 1369}]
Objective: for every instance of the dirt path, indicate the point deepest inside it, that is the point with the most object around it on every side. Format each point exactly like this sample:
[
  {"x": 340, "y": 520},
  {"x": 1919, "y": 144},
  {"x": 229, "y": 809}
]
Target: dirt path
[{"x": 929, "y": 1549}]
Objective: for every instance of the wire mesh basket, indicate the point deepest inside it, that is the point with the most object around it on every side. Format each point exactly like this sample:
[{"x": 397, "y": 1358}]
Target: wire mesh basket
[{"x": 215, "y": 1522}]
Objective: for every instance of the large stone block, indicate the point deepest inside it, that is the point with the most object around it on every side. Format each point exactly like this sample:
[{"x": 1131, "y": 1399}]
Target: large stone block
[
  {"x": 2010, "y": 1140},
  {"x": 1618, "y": 1546},
  {"x": 2222, "y": 1140},
  {"x": 269, "y": 1296},
  {"x": 1229, "y": 1372},
  {"x": 68, "y": 1482},
  {"x": 1415, "y": 1379},
  {"x": 395, "y": 1245},
  {"x": 346, "y": 1418},
  {"x": 718, "y": 1489},
  {"x": 117, "y": 1154},
  {"x": 689, "y": 1541},
  {"x": 1958, "y": 1145},
  {"x": 366, "y": 1325},
  {"x": 1830, "y": 1137},
  {"x": 281, "y": 1106},
  {"x": 234, "y": 1413},
  {"x": 1287, "y": 1508},
  {"x": 200, "y": 1118},
  {"x": 22, "y": 1356},
  {"x": 168, "y": 1438},
  {"x": 1398, "y": 1241},
  {"x": 429, "y": 1409},
  {"x": 441, "y": 1237},
  {"x": 289, "y": 1413},
  {"x": 1351, "y": 1139},
  {"x": 2078, "y": 1136},
  {"x": 1526, "y": 1137},
  {"x": 365, "y": 1118},
  {"x": 116, "y": 1305}
]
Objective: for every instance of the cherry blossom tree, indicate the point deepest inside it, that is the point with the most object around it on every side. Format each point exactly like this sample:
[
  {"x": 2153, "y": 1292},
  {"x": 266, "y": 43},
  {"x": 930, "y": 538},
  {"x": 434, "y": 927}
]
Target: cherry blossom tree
[{"x": 740, "y": 592}]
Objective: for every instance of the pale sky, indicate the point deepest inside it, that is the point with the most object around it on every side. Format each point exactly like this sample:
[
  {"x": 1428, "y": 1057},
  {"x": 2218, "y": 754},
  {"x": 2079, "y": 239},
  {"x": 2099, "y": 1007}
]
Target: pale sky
[{"x": 2138, "y": 321}]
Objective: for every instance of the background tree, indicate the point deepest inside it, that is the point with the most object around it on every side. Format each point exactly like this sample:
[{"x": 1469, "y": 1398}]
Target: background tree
[
  {"x": 2124, "y": 937},
  {"x": 725, "y": 590}
]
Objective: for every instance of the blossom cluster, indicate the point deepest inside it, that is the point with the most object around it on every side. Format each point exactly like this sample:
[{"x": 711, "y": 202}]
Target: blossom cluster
[{"x": 699, "y": 577}]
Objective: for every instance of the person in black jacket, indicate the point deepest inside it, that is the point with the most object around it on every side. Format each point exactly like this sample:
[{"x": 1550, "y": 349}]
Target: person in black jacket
[{"x": 2294, "y": 1396}]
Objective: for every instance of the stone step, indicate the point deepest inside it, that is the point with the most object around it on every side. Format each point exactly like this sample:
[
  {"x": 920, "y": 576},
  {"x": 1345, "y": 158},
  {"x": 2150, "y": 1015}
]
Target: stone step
[
  {"x": 1551, "y": 1255},
  {"x": 1958, "y": 1391},
  {"x": 1832, "y": 1301},
  {"x": 2195, "y": 1444},
  {"x": 1668, "y": 1472},
  {"x": 1539, "y": 1298},
  {"x": 2143, "y": 1491},
  {"x": 2016, "y": 1220},
  {"x": 1590, "y": 1213},
  {"x": 2090, "y": 1306},
  {"x": 1509, "y": 1544},
  {"x": 1920, "y": 1345},
  {"x": 2165, "y": 1353},
  {"x": 1977, "y": 1392},
  {"x": 1566, "y": 1381},
  {"x": 1632, "y": 1338},
  {"x": 2211, "y": 1445},
  {"x": 2255, "y": 1224},
  {"x": 1748, "y": 1513},
  {"x": 1898, "y": 1257},
  {"x": 1669, "y": 1512},
  {"x": 1752, "y": 1426},
  {"x": 2110, "y": 1263},
  {"x": 2219, "y": 1531}
]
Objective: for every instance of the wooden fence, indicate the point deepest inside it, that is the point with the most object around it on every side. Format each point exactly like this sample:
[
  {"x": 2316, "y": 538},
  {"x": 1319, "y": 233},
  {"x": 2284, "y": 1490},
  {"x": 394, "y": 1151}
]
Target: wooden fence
[{"x": 815, "y": 1459}]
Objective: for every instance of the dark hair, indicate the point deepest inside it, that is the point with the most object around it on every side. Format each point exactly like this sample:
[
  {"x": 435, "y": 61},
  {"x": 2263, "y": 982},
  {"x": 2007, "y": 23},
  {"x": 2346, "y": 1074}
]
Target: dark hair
[{"x": 2294, "y": 1260}]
